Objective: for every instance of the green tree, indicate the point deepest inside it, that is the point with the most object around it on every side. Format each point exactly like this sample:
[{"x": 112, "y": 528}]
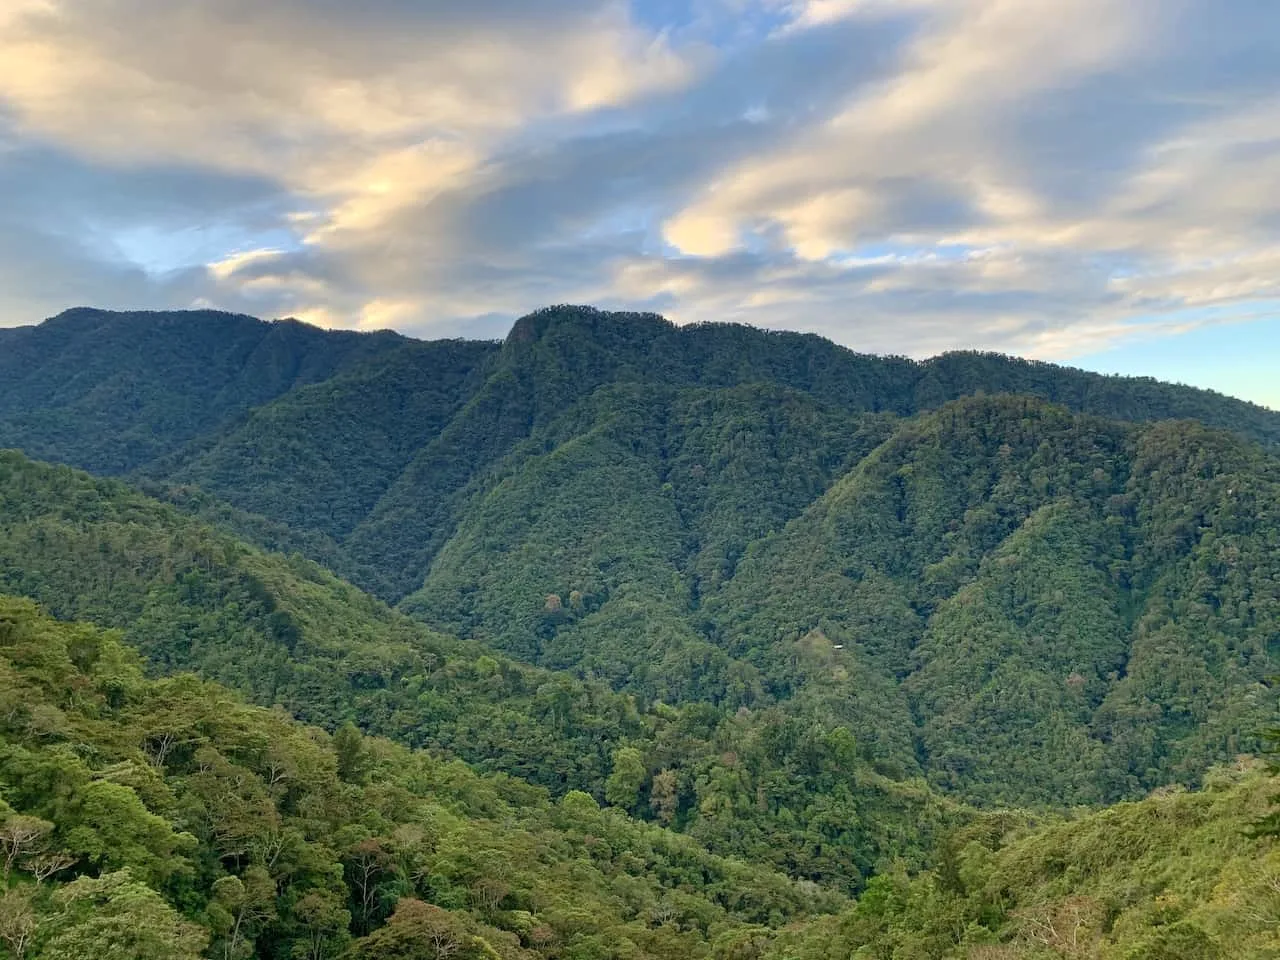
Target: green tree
[
  {"x": 21, "y": 836},
  {"x": 324, "y": 922},
  {"x": 241, "y": 905},
  {"x": 417, "y": 931},
  {"x": 116, "y": 916},
  {"x": 623, "y": 786}
]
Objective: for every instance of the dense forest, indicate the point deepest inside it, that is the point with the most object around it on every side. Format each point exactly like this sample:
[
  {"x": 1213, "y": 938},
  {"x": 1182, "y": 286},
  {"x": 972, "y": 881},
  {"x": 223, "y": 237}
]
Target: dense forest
[
  {"x": 622, "y": 639},
  {"x": 152, "y": 818}
]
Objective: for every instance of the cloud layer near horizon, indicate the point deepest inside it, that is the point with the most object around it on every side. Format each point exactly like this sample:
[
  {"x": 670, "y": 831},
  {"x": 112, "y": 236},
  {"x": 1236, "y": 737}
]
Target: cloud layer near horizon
[{"x": 1046, "y": 177}]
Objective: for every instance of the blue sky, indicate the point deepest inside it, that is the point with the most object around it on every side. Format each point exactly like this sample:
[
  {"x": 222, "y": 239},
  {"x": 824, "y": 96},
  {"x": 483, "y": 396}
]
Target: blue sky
[{"x": 1073, "y": 180}]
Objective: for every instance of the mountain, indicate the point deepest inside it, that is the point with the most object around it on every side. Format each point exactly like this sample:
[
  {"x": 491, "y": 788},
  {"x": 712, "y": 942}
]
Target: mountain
[
  {"x": 771, "y": 784},
  {"x": 678, "y": 639},
  {"x": 1058, "y": 596},
  {"x": 1027, "y": 605},
  {"x": 384, "y": 469},
  {"x": 111, "y": 391},
  {"x": 1071, "y": 608}
]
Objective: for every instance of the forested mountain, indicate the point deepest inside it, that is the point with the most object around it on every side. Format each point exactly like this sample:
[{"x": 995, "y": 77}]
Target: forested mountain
[
  {"x": 111, "y": 391},
  {"x": 387, "y": 453},
  {"x": 773, "y": 784},
  {"x": 809, "y": 613}
]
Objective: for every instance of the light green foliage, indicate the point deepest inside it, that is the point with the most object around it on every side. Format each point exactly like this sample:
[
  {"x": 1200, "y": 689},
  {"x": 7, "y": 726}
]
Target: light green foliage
[
  {"x": 622, "y": 789},
  {"x": 1174, "y": 877},
  {"x": 116, "y": 916},
  {"x": 293, "y": 843}
]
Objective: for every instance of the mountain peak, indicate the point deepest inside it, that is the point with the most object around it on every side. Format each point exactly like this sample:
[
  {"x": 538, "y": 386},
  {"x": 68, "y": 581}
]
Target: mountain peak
[{"x": 582, "y": 319}]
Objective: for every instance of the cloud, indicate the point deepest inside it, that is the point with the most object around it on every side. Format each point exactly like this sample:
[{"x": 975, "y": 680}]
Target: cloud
[{"x": 1042, "y": 176}]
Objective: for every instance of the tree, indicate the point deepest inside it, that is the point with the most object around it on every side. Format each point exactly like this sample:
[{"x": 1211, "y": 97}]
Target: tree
[
  {"x": 353, "y": 761},
  {"x": 369, "y": 866},
  {"x": 21, "y": 836},
  {"x": 664, "y": 795},
  {"x": 241, "y": 905},
  {"x": 624, "y": 783},
  {"x": 324, "y": 921},
  {"x": 116, "y": 916},
  {"x": 416, "y": 931},
  {"x": 17, "y": 920}
]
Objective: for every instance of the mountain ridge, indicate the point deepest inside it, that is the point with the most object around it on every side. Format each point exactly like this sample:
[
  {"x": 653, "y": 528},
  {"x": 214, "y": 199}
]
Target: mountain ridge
[{"x": 723, "y": 626}]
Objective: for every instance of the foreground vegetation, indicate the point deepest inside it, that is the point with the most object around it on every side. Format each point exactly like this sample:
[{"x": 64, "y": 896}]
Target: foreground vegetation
[
  {"x": 1177, "y": 876},
  {"x": 166, "y": 819},
  {"x": 150, "y": 818}
]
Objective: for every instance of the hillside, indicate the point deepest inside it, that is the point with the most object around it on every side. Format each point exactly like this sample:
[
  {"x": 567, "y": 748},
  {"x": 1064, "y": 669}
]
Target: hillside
[
  {"x": 775, "y": 785},
  {"x": 149, "y": 819},
  {"x": 1176, "y": 876},
  {"x": 1016, "y": 600},
  {"x": 625, "y": 640},
  {"x": 160, "y": 819},
  {"x": 1031, "y": 605},
  {"x": 385, "y": 457},
  {"x": 111, "y": 391}
]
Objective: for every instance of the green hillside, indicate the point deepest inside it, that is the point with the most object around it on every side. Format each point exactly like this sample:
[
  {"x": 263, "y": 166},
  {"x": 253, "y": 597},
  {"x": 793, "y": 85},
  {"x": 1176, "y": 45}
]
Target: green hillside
[
  {"x": 1032, "y": 606},
  {"x": 780, "y": 786},
  {"x": 622, "y": 640},
  {"x": 1177, "y": 876},
  {"x": 166, "y": 820},
  {"x": 1076, "y": 610},
  {"x": 384, "y": 457},
  {"x": 150, "y": 819}
]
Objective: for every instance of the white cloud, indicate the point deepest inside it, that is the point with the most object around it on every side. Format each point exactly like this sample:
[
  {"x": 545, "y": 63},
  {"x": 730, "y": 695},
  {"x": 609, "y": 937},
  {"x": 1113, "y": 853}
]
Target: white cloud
[{"x": 902, "y": 175}]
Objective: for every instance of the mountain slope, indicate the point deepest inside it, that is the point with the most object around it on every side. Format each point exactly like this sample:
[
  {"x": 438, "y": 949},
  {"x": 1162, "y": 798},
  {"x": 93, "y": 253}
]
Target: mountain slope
[
  {"x": 1078, "y": 610},
  {"x": 786, "y": 790},
  {"x": 590, "y": 543},
  {"x": 110, "y": 391},
  {"x": 320, "y": 457},
  {"x": 284, "y": 630},
  {"x": 1176, "y": 876},
  {"x": 148, "y": 818},
  {"x": 383, "y": 462},
  {"x": 554, "y": 358}
]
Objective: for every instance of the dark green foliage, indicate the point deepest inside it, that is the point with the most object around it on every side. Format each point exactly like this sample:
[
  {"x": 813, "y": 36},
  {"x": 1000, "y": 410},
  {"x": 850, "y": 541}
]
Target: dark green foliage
[
  {"x": 387, "y": 454},
  {"x": 372, "y": 421},
  {"x": 1077, "y": 611},
  {"x": 111, "y": 391},
  {"x": 594, "y": 540}
]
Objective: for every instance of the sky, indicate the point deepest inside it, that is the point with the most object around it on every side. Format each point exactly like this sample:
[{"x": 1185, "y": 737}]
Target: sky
[{"x": 1083, "y": 181}]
